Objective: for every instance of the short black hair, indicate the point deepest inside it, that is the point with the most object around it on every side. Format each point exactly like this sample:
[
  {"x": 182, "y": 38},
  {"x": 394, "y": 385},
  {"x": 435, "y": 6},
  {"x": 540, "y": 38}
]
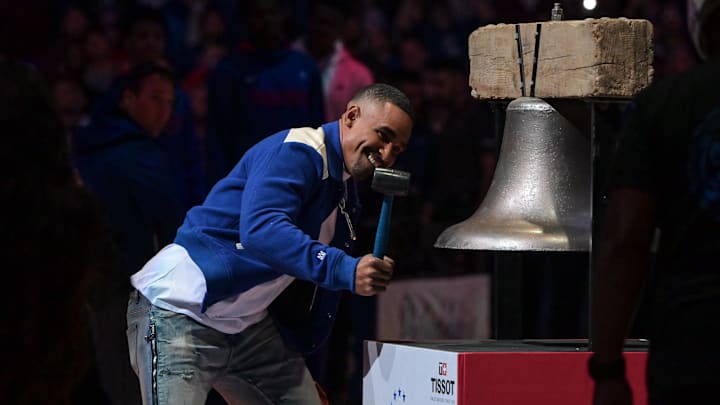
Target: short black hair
[
  {"x": 386, "y": 93},
  {"x": 134, "y": 78}
]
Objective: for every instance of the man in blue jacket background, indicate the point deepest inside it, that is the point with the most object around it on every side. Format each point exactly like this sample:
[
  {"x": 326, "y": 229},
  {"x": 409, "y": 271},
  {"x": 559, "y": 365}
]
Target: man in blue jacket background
[
  {"x": 121, "y": 159},
  {"x": 254, "y": 275},
  {"x": 262, "y": 86}
]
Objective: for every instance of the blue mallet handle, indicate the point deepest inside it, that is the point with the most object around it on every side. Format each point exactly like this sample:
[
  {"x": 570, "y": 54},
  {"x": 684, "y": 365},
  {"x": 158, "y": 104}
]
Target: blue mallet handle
[{"x": 383, "y": 229}]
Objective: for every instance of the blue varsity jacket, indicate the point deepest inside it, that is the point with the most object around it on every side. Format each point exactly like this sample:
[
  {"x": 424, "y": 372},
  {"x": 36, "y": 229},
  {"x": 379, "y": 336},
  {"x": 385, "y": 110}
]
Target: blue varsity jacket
[{"x": 263, "y": 220}]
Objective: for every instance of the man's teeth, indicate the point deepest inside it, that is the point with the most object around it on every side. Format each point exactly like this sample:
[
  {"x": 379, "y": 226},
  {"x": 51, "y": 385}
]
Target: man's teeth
[{"x": 372, "y": 159}]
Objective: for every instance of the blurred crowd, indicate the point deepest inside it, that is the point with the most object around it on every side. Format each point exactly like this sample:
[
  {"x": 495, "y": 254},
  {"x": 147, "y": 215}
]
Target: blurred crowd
[
  {"x": 420, "y": 46},
  {"x": 84, "y": 47}
]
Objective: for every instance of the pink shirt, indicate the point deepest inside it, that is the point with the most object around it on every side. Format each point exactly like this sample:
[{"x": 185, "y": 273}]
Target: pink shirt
[{"x": 343, "y": 76}]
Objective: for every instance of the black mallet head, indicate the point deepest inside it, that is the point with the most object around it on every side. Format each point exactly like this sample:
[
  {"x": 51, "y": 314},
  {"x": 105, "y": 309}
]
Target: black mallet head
[{"x": 391, "y": 182}]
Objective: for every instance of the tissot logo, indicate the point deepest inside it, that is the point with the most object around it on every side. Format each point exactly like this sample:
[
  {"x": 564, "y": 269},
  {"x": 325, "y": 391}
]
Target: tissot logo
[
  {"x": 442, "y": 368},
  {"x": 443, "y": 386}
]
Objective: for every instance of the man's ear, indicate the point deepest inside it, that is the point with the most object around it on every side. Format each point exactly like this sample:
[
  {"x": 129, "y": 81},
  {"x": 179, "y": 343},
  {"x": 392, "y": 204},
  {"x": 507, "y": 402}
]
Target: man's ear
[{"x": 352, "y": 113}]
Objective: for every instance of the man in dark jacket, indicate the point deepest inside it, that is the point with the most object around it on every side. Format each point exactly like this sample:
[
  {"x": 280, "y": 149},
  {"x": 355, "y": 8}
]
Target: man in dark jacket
[
  {"x": 260, "y": 88},
  {"x": 664, "y": 183},
  {"x": 120, "y": 160},
  {"x": 144, "y": 42}
]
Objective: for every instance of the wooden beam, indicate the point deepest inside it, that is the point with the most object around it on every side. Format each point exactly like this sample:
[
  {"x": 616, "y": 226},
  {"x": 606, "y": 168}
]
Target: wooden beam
[{"x": 595, "y": 58}]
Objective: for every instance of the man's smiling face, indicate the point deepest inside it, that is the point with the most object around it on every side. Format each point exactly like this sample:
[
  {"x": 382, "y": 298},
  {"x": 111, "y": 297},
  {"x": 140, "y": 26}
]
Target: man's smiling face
[{"x": 373, "y": 134}]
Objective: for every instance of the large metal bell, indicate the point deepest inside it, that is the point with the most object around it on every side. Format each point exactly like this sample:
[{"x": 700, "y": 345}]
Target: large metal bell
[{"x": 539, "y": 198}]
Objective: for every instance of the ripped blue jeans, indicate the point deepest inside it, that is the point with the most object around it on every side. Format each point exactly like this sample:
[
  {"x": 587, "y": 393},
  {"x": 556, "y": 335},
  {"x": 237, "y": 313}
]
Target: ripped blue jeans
[{"x": 178, "y": 361}]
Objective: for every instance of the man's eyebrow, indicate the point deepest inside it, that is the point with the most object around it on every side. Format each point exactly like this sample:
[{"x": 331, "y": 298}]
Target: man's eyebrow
[
  {"x": 392, "y": 134},
  {"x": 387, "y": 130}
]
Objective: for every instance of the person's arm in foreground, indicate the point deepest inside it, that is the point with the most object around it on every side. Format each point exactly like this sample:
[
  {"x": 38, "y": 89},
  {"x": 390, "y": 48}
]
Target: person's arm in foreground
[{"x": 617, "y": 281}]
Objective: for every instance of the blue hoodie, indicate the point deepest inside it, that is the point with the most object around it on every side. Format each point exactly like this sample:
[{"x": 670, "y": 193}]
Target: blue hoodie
[
  {"x": 134, "y": 179},
  {"x": 179, "y": 140},
  {"x": 263, "y": 220}
]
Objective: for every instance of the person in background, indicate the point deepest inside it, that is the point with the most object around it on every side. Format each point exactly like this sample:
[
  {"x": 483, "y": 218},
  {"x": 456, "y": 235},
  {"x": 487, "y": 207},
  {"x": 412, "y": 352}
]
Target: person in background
[
  {"x": 71, "y": 101},
  {"x": 121, "y": 161},
  {"x": 99, "y": 67},
  {"x": 342, "y": 74},
  {"x": 254, "y": 275},
  {"x": 664, "y": 181},
  {"x": 144, "y": 43},
  {"x": 55, "y": 246},
  {"x": 261, "y": 87}
]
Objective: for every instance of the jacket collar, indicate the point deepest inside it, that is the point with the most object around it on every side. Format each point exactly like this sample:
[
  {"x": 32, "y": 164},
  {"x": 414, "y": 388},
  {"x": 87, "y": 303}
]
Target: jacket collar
[{"x": 336, "y": 163}]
